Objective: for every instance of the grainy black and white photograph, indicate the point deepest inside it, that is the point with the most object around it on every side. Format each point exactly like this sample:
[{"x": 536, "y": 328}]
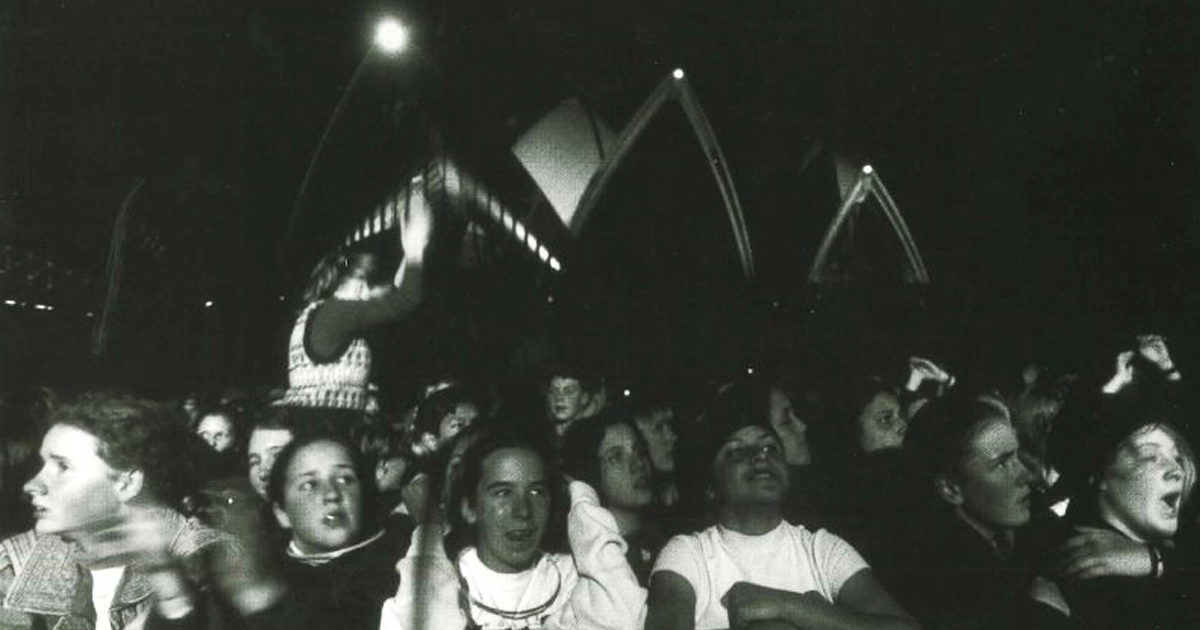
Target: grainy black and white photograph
[{"x": 568, "y": 315}]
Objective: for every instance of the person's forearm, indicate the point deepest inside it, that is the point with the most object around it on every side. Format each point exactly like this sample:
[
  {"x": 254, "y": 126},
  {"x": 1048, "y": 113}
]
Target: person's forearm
[{"x": 811, "y": 613}]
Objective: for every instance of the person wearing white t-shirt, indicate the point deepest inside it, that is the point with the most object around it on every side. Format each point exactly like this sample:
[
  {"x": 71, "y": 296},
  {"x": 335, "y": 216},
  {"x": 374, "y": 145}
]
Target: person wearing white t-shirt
[{"x": 753, "y": 568}]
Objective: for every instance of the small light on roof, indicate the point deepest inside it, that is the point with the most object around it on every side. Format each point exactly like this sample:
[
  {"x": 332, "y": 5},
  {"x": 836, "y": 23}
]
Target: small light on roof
[
  {"x": 208, "y": 304},
  {"x": 867, "y": 170},
  {"x": 750, "y": 371},
  {"x": 10, "y": 302},
  {"x": 678, "y": 74},
  {"x": 554, "y": 264},
  {"x": 627, "y": 393}
]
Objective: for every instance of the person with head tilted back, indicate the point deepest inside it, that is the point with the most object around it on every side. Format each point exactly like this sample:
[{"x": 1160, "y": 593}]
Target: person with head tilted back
[
  {"x": 329, "y": 361},
  {"x": 751, "y": 568}
]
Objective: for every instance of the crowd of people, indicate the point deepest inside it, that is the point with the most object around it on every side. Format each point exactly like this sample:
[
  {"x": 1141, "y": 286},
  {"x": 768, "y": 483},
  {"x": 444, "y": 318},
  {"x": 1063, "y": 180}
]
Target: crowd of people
[{"x": 914, "y": 498}]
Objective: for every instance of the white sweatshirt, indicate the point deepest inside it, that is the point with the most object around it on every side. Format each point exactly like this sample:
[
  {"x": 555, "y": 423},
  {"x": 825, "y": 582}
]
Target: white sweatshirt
[{"x": 597, "y": 589}]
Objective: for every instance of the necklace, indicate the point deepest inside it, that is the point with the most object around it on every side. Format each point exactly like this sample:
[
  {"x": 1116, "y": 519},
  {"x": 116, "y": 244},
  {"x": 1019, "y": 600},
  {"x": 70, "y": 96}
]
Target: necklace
[{"x": 515, "y": 615}]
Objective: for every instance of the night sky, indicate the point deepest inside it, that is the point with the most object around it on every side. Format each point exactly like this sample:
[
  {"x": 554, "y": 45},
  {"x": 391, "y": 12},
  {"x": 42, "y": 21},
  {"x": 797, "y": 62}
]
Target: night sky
[{"x": 1044, "y": 155}]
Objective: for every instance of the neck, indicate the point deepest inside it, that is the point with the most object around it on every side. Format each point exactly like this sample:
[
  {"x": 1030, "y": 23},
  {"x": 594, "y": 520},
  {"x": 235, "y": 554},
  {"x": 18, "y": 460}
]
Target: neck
[
  {"x": 987, "y": 532},
  {"x": 1109, "y": 515},
  {"x": 751, "y": 520},
  {"x": 628, "y": 521}
]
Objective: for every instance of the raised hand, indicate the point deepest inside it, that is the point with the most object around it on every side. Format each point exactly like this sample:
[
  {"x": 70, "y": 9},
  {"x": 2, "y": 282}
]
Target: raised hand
[
  {"x": 1124, "y": 374},
  {"x": 1154, "y": 349},
  {"x": 416, "y": 228}
]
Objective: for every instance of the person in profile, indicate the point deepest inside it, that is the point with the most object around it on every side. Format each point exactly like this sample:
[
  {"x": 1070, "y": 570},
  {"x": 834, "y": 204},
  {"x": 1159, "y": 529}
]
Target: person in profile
[{"x": 107, "y": 506}]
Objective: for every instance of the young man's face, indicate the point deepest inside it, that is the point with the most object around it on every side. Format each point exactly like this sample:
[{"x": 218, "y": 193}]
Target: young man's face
[
  {"x": 565, "y": 399},
  {"x": 75, "y": 490},
  {"x": 750, "y": 469},
  {"x": 992, "y": 485},
  {"x": 264, "y": 447}
]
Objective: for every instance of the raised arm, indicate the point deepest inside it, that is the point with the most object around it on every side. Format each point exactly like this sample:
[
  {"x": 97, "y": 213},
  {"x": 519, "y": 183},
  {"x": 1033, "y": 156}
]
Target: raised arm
[
  {"x": 607, "y": 594},
  {"x": 337, "y": 321}
]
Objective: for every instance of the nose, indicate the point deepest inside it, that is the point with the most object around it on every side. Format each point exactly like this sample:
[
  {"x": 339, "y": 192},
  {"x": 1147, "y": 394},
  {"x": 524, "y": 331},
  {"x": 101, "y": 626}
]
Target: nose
[
  {"x": 521, "y": 507},
  {"x": 332, "y": 493},
  {"x": 34, "y": 487}
]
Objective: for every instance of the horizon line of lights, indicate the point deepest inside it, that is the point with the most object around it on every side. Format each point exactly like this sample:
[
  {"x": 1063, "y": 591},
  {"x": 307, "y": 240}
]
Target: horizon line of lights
[{"x": 454, "y": 184}]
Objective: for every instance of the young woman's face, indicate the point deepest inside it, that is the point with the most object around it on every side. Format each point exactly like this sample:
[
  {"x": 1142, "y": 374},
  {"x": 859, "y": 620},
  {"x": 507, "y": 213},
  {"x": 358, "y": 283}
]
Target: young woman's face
[
  {"x": 750, "y": 469},
  {"x": 1143, "y": 488},
  {"x": 511, "y": 509},
  {"x": 661, "y": 438},
  {"x": 322, "y": 499},
  {"x": 791, "y": 429},
  {"x": 625, "y": 480},
  {"x": 75, "y": 489},
  {"x": 217, "y": 431},
  {"x": 881, "y": 423}
]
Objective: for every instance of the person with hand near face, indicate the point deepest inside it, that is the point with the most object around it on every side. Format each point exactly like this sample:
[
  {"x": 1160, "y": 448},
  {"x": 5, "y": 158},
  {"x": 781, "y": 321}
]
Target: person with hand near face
[
  {"x": 509, "y": 503},
  {"x": 1122, "y": 567},
  {"x": 108, "y": 535},
  {"x": 752, "y": 568}
]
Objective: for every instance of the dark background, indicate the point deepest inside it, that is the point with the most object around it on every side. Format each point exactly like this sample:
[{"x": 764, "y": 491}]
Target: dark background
[{"x": 1043, "y": 154}]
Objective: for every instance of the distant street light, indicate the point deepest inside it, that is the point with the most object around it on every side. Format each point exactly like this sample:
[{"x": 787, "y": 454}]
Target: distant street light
[{"x": 391, "y": 36}]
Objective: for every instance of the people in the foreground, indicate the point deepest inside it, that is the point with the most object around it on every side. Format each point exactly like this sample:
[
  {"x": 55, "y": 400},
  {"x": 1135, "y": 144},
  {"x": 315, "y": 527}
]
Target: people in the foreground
[
  {"x": 609, "y": 453},
  {"x": 752, "y": 568},
  {"x": 1143, "y": 474},
  {"x": 968, "y": 558},
  {"x": 509, "y": 502},
  {"x": 113, "y": 474},
  {"x": 337, "y": 568}
]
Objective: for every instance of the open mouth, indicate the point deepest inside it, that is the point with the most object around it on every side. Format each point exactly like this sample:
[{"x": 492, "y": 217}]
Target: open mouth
[
  {"x": 334, "y": 519},
  {"x": 1171, "y": 500},
  {"x": 763, "y": 475},
  {"x": 522, "y": 536}
]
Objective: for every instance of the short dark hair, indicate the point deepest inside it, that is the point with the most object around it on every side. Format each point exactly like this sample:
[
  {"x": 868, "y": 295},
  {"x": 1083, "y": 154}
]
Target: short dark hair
[
  {"x": 277, "y": 483},
  {"x": 501, "y": 435},
  {"x": 137, "y": 434},
  {"x": 940, "y": 432}
]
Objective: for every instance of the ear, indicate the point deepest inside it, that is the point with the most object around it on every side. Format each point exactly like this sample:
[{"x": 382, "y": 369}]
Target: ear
[
  {"x": 281, "y": 516},
  {"x": 468, "y": 513},
  {"x": 948, "y": 490},
  {"x": 130, "y": 485}
]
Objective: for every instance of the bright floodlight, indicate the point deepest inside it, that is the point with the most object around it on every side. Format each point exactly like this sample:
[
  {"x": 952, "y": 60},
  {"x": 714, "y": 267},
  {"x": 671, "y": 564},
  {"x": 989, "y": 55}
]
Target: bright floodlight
[
  {"x": 678, "y": 74},
  {"x": 867, "y": 170},
  {"x": 391, "y": 36}
]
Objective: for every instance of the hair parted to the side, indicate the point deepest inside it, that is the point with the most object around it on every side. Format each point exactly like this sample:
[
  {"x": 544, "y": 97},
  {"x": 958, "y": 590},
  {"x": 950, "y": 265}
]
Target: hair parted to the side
[{"x": 137, "y": 434}]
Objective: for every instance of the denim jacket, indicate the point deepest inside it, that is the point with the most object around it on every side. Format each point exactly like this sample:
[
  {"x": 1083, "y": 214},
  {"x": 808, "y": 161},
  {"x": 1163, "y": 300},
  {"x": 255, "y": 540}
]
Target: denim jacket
[{"x": 44, "y": 585}]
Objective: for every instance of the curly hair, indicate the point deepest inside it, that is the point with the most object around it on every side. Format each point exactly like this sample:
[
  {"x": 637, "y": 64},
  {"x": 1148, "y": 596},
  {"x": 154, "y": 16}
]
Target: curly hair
[{"x": 137, "y": 434}]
